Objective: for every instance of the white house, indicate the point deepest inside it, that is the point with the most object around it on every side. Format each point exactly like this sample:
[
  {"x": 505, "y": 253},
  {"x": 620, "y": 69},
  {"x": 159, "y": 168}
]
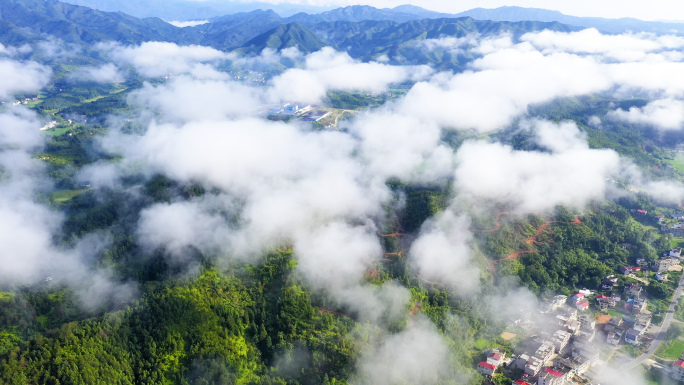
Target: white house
[
  {"x": 552, "y": 377},
  {"x": 632, "y": 337},
  {"x": 485, "y": 368}
]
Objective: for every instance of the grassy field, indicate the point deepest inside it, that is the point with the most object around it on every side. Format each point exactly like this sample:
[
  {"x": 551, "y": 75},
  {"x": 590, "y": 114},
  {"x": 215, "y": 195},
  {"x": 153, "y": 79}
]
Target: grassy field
[
  {"x": 671, "y": 350},
  {"x": 679, "y": 310},
  {"x": 649, "y": 227},
  {"x": 65, "y": 195},
  {"x": 678, "y": 162},
  {"x": 677, "y": 242},
  {"x": 482, "y": 344},
  {"x": 57, "y": 131},
  {"x": 631, "y": 350}
]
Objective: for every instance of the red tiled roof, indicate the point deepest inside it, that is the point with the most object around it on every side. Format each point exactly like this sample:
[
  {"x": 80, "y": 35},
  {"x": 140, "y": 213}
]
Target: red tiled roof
[
  {"x": 601, "y": 297},
  {"x": 521, "y": 382},
  {"x": 579, "y": 295},
  {"x": 554, "y": 373},
  {"x": 495, "y": 356},
  {"x": 486, "y": 365},
  {"x": 583, "y": 304},
  {"x": 679, "y": 363}
]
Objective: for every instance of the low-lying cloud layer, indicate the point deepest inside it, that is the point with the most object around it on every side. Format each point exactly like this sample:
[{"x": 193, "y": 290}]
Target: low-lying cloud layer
[
  {"x": 569, "y": 173},
  {"x": 18, "y": 77},
  {"x": 154, "y": 59},
  {"x": 27, "y": 250},
  {"x": 328, "y": 70},
  {"x": 324, "y": 192},
  {"x": 282, "y": 183},
  {"x": 106, "y": 73},
  {"x": 665, "y": 114},
  {"x": 508, "y": 77}
]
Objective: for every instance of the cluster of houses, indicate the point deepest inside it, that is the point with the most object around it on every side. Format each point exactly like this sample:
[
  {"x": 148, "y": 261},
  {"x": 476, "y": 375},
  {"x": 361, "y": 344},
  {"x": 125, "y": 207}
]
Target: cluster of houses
[
  {"x": 495, "y": 358},
  {"x": 557, "y": 356},
  {"x": 566, "y": 349},
  {"x": 674, "y": 229},
  {"x": 25, "y": 101},
  {"x": 667, "y": 262},
  {"x": 632, "y": 327}
]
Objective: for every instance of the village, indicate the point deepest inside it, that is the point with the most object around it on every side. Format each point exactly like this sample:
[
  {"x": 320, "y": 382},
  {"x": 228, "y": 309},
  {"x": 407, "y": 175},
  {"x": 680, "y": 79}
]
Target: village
[{"x": 571, "y": 339}]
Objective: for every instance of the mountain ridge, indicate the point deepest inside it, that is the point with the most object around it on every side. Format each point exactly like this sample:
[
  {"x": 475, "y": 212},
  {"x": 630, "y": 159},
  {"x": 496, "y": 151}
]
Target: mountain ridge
[
  {"x": 364, "y": 32},
  {"x": 514, "y": 13}
]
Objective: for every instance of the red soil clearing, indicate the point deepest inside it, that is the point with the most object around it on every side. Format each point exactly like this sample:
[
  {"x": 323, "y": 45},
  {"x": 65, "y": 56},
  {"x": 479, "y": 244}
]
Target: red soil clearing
[
  {"x": 415, "y": 308},
  {"x": 531, "y": 240},
  {"x": 393, "y": 235},
  {"x": 397, "y": 254}
]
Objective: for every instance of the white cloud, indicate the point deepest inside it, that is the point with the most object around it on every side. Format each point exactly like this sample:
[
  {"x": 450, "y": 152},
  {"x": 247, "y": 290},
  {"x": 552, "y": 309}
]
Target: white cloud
[
  {"x": 456, "y": 44},
  {"x": 334, "y": 257},
  {"x": 442, "y": 254},
  {"x": 191, "y": 23},
  {"x": 106, "y": 73},
  {"x": 507, "y": 78},
  {"x": 13, "y": 51},
  {"x": 288, "y": 178},
  {"x": 17, "y": 77},
  {"x": 415, "y": 356},
  {"x": 328, "y": 70},
  {"x": 625, "y": 47},
  {"x": 666, "y": 114},
  {"x": 401, "y": 146},
  {"x": 185, "y": 99},
  {"x": 570, "y": 174},
  {"x": 336, "y": 254},
  {"x": 154, "y": 59},
  {"x": 28, "y": 253},
  {"x": 501, "y": 87},
  {"x": 182, "y": 224}
]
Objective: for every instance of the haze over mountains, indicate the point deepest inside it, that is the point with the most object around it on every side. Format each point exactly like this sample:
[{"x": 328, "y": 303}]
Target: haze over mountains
[
  {"x": 364, "y": 32},
  {"x": 179, "y": 10}
]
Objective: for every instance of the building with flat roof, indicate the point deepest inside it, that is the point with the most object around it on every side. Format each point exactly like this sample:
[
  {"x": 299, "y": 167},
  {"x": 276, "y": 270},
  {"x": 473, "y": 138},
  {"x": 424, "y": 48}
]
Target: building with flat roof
[
  {"x": 533, "y": 366},
  {"x": 552, "y": 377},
  {"x": 560, "y": 339}
]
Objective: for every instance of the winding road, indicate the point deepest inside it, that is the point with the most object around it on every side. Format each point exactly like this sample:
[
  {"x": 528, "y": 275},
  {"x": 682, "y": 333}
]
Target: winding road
[{"x": 663, "y": 330}]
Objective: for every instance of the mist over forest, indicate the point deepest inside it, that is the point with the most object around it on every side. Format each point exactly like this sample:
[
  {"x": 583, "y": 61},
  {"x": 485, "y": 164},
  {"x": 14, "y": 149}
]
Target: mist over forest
[{"x": 360, "y": 196}]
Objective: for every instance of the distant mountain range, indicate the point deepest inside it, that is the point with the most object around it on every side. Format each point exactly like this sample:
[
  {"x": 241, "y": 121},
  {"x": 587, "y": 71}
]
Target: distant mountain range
[
  {"x": 605, "y": 25},
  {"x": 187, "y": 10},
  {"x": 24, "y": 20},
  {"x": 192, "y": 10},
  {"x": 362, "y": 31}
]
